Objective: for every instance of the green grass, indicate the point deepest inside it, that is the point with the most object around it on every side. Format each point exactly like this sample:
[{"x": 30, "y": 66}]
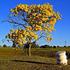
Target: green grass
[{"x": 41, "y": 59}]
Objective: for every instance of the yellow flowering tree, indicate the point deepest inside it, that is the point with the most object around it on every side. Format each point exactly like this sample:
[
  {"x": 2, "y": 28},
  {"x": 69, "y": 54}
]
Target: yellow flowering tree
[{"x": 36, "y": 21}]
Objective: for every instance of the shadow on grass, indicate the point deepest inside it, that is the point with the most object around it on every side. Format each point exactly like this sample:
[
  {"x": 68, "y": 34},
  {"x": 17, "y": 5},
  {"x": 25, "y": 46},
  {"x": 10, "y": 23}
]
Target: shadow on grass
[{"x": 35, "y": 62}]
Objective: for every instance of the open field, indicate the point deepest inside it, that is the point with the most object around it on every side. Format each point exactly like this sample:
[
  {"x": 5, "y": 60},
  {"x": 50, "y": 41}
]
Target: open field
[{"x": 41, "y": 59}]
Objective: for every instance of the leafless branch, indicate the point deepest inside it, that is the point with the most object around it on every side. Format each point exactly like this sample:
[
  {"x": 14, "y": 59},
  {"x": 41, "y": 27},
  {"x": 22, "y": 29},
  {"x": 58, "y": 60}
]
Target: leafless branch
[{"x": 14, "y": 22}]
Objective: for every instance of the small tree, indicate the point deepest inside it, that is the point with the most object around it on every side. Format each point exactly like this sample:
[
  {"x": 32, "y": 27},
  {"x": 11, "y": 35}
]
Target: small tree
[
  {"x": 36, "y": 21},
  {"x": 4, "y": 45}
]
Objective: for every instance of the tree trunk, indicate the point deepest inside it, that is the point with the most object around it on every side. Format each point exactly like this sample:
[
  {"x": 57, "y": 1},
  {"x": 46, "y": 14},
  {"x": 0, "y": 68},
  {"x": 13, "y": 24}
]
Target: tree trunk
[
  {"x": 14, "y": 45},
  {"x": 29, "y": 50}
]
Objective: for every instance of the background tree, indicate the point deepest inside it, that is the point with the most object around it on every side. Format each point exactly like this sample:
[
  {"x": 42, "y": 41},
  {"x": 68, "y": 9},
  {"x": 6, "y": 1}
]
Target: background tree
[
  {"x": 44, "y": 46},
  {"x": 4, "y": 45},
  {"x": 35, "y": 22}
]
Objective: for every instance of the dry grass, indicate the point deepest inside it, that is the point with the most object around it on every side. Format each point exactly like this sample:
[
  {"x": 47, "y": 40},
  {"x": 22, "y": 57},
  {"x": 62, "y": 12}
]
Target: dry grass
[{"x": 15, "y": 59}]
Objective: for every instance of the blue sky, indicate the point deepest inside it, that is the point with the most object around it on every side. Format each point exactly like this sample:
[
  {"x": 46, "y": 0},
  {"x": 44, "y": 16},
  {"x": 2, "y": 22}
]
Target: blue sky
[{"x": 62, "y": 32}]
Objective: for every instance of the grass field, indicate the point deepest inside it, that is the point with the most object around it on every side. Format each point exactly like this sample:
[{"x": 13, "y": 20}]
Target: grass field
[{"x": 41, "y": 59}]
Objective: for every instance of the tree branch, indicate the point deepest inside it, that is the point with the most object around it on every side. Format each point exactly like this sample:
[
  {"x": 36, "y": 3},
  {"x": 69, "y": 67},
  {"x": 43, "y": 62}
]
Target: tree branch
[
  {"x": 14, "y": 22},
  {"x": 39, "y": 37}
]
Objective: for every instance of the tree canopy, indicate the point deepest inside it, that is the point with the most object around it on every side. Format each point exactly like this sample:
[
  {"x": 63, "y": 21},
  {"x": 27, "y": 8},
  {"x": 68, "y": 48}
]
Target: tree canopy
[{"x": 38, "y": 21}]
